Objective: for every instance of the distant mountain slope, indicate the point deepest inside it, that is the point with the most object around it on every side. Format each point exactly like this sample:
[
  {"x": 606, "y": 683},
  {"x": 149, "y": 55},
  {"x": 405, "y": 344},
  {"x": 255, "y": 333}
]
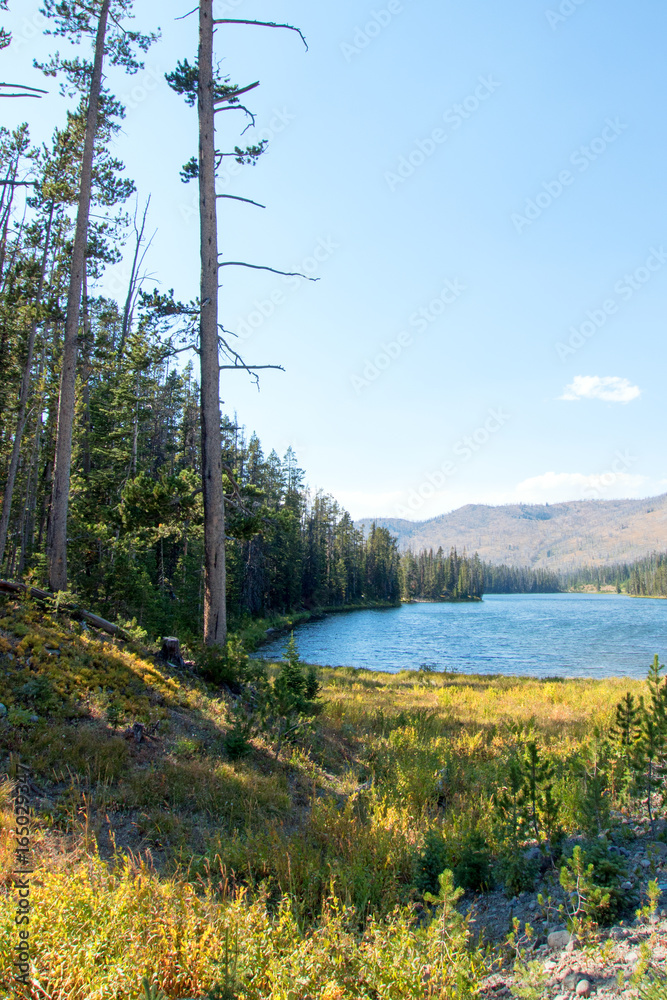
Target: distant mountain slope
[{"x": 556, "y": 536}]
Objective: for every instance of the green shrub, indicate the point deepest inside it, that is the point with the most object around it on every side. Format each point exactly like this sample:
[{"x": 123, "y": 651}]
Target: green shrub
[
  {"x": 472, "y": 864},
  {"x": 516, "y": 872},
  {"x": 229, "y": 667},
  {"x": 432, "y": 861},
  {"x": 592, "y": 878}
]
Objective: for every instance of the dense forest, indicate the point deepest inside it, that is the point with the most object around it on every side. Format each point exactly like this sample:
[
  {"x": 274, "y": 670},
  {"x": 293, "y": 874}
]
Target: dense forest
[
  {"x": 136, "y": 517},
  {"x": 520, "y": 580},
  {"x": 646, "y": 577},
  {"x": 435, "y": 576}
]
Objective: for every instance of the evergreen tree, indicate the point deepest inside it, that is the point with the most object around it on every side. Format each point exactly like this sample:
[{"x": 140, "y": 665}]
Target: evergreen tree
[{"x": 74, "y": 21}]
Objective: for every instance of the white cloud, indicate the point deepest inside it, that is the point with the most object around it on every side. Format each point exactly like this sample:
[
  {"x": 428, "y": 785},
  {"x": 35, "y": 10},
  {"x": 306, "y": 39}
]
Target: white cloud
[
  {"x": 609, "y": 388},
  {"x": 555, "y": 487}
]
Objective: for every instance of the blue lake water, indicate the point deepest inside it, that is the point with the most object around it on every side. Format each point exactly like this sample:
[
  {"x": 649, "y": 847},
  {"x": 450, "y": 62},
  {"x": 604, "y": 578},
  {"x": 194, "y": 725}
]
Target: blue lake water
[{"x": 541, "y": 635}]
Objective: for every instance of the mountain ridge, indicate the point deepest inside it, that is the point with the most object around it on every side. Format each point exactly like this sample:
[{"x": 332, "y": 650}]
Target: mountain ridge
[{"x": 559, "y": 536}]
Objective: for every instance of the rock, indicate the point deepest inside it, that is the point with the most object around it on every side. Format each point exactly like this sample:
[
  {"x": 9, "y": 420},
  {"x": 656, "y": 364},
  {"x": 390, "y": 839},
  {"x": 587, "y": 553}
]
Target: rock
[
  {"x": 34, "y": 718},
  {"x": 583, "y": 988},
  {"x": 558, "y": 940},
  {"x": 626, "y": 885},
  {"x": 571, "y": 945},
  {"x": 3, "y": 710},
  {"x": 657, "y": 848},
  {"x": 631, "y": 958},
  {"x": 550, "y": 966},
  {"x": 645, "y": 863}
]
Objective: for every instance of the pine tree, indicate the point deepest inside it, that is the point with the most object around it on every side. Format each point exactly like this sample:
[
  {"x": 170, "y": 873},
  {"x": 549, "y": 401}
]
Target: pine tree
[{"x": 74, "y": 21}]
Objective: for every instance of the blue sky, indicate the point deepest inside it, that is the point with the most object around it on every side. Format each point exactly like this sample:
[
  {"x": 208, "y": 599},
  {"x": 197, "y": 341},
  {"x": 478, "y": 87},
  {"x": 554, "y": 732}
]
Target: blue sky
[{"x": 479, "y": 188}]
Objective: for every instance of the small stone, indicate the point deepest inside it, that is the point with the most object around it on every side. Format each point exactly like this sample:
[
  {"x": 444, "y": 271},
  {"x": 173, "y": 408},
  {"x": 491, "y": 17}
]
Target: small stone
[
  {"x": 626, "y": 885},
  {"x": 550, "y": 966},
  {"x": 645, "y": 863},
  {"x": 583, "y": 988},
  {"x": 658, "y": 848},
  {"x": 3, "y": 710},
  {"x": 34, "y": 718},
  {"x": 632, "y": 957},
  {"x": 532, "y": 906},
  {"x": 558, "y": 940},
  {"x": 571, "y": 946}
]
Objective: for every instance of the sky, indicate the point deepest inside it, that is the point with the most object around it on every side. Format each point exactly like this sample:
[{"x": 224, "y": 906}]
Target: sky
[{"x": 479, "y": 190}]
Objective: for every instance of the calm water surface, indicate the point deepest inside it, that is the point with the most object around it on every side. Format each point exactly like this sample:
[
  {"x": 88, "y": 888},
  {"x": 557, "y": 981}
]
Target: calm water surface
[{"x": 543, "y": 635}]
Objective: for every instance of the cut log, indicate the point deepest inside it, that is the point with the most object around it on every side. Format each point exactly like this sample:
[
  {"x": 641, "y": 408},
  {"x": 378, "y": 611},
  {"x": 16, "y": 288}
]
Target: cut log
[
  {"x": 171, "y": 651},
  {"x": 8, "y": 587}
]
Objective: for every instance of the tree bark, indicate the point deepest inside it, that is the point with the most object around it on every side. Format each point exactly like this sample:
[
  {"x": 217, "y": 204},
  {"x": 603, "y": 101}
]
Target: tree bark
[
  {"x": 215, "y": 615},
  {"x": 23, "y": 397},
  {"x": 57, "y": 532}
]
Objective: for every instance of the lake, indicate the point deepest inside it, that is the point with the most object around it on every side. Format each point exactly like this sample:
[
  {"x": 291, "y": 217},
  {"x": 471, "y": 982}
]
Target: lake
[{"x": 539, "y": 635}]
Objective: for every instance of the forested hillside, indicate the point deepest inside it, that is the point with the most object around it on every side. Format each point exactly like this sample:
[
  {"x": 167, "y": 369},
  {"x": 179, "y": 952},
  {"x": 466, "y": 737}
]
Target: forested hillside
[{"x": 557, "y": 537}]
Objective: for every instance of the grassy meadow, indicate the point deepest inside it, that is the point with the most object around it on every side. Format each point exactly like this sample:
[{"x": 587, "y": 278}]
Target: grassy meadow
[{"x": 172, "y": 868}]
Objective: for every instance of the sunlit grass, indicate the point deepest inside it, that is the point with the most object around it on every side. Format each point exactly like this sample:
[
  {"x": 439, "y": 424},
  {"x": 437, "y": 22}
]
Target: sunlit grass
[{"x": 291, "y": 875}]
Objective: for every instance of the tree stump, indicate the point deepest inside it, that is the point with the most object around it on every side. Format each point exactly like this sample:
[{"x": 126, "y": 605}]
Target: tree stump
[{"x": 171, "y": 651}]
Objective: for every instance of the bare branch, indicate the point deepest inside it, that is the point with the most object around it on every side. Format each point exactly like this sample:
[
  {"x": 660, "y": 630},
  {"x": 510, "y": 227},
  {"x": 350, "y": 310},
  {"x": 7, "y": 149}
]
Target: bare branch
[
  {"x": 193, "y": 11},
  {"x": 259, "y": 267},
  {"x": 181, "y": 350},
  {"x": 264, "y": 24},
  {"x": 250, "y": 368},
  {"x": 237, "y": 93},
  {"x": 237, "y": 492},
  {"x": 240, "y": 107},
  {"x": 235, "y": 197},
  {"x": 24, "y": 86},
  {"x": 239, "y": 363}
]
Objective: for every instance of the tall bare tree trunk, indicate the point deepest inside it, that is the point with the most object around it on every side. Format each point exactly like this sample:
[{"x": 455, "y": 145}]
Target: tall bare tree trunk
[
  {"x": 215, "y": 615},
  {"x": 57, "y": 533},
  {"x": 23, "y": 397}
]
